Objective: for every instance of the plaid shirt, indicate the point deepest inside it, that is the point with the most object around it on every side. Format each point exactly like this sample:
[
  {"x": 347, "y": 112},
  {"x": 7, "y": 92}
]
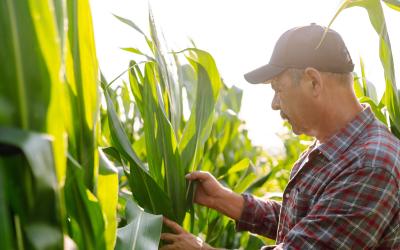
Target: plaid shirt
[{"x": 343, "y": 194}]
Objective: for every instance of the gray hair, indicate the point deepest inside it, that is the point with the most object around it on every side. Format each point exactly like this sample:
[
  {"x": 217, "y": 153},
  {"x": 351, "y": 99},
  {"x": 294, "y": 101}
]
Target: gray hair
[{"x": 343, "y": 78}]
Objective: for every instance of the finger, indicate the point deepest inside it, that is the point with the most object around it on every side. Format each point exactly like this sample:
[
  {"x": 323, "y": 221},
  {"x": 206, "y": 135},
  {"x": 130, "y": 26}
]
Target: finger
[
  {"x": 173, "y": 225},
  {"x": 198, "y": 175},
  {"x": 169, "y": 237}
]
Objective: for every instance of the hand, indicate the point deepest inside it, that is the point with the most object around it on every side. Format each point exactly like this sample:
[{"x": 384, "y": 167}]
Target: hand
[
  {"x": 212, "y": 194},
  {"x": 208, "y": 190},
  {"x": 181, "y": 239}
]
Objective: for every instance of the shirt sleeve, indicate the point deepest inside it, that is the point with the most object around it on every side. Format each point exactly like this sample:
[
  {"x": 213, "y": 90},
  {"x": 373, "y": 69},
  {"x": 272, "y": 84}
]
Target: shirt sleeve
[
  {"x": 259, "y": 216},
  {"x": 353, "y": 213}
]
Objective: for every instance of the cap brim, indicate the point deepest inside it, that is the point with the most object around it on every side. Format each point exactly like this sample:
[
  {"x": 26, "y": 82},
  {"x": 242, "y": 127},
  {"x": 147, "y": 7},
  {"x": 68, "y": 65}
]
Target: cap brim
[{"x": 263, "y": 73}]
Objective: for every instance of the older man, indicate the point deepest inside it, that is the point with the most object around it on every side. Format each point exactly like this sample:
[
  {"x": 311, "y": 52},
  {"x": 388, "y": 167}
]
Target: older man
[{"x": 343, "y": 192}]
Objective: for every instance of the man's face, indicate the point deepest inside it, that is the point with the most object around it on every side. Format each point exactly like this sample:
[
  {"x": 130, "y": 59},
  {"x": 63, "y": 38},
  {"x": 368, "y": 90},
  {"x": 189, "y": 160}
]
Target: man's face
[{"x": 295, "y": 103}]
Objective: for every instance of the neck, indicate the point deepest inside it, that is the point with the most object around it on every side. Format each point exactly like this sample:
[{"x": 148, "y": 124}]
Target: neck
[{"x": 336, "y": 116}]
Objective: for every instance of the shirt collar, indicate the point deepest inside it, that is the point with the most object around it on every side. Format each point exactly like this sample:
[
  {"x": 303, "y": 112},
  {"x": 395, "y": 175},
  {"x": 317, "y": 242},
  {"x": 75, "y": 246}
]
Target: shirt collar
[{"x": 340, "y": 141}]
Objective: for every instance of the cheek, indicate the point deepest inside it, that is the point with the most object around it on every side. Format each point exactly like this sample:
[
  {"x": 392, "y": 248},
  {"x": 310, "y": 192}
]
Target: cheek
[
  {"x": 297, "y": 107},
  {"x": 291, "y": 103}
]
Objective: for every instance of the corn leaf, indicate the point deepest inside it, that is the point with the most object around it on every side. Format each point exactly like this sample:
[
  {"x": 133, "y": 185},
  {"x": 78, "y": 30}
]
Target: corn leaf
[
  {"x": 377, "y": 19},
  {"x": 136, "y": 82},
  {"x": 199, "y": 126},
  {"x": 130, "y": 23},
  {"x": 233, "y": 99},
  {"x": 147, "y": 192},
  {"x": 107, "y": 192},
  {"x": 82, "y": 76},
  {"x": 246, "y": 180},
  {"x": 173, "y": 104},
  {"x": 6, "y": 230},
  {"x": 142, "y": 231},
  {"x": 33, "y": 197},
  {"x": 160, "y": 139},
  {"x": 138, "y": 52},
  {"x": 368, "y": 88},
  {"x": 86, "y": 221},
  {"x": 35, "y": 71},
  {"x": 394, "y": 4},
  {"x": 239, "y": 166}
]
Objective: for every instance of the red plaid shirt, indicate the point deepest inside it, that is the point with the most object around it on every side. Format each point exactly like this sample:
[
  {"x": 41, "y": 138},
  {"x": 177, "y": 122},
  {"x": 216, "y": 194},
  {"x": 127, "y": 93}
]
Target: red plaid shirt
[{"x": 343, "y": 194}]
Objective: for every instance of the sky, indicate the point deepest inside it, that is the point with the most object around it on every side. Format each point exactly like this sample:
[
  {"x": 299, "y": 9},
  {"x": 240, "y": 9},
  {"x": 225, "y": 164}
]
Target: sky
[{"x": 240, "y": 35}]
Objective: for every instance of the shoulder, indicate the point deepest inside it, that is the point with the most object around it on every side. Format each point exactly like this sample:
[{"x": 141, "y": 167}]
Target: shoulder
[{"x": 379, "y": 149}]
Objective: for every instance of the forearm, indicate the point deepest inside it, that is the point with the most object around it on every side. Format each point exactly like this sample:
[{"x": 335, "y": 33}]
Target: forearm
[
  {"x": 230, "y": 204},
  {"x": 260, "y": 216}
]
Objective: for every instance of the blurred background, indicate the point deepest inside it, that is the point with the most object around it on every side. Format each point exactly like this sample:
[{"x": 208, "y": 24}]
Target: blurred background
[{"x": 241, "y": 36}]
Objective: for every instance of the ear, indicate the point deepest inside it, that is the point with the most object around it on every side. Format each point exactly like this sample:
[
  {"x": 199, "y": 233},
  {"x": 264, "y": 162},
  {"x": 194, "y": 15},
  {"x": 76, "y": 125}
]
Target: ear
[{"x": 313, "y": 80}]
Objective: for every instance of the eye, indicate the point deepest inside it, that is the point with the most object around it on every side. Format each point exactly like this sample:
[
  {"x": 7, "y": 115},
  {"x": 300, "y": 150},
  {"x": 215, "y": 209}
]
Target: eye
[{"x": 276, "y": 87}]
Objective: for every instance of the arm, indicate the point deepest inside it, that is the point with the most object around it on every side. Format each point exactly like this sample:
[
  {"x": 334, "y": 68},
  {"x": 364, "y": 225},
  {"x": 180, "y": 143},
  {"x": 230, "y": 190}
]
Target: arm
[
  {"x": 352, "y": 213},
  {"x": 252, "y": 214},
  {"x": 259, "y": 216}
]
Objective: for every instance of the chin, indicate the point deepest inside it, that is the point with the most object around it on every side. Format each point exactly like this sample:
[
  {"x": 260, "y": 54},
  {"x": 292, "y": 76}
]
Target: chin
[{"x": 297, "y": 131}]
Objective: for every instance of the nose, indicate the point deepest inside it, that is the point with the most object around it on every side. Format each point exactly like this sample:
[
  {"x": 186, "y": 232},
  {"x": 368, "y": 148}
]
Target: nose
[{"x": 275, "y": 102}]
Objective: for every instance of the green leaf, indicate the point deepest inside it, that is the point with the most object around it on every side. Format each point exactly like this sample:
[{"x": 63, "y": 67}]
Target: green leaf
[
  {"x": 138, "y": 52},
  {"x": 375, "y": 108},
  {"x": 239, "y": 166},
  {"x": 145, "y": 190},
  {"x": 32, "y": 68},
  {"x": 82, "y": 76},
  {"x": 377, "y": 19},
  {"x": 6, "y": 229},
  {"x": 136, "y": 80},
  {"x": 142, "y": 232},
  {"x": 161, "y": 145},
  {"x": 33, "y": 197},
  {"x": 43, "y": 236},
  {"x": 394, "y": 4},
  {"x": 233, "y": 99},
  {"x": 169, "y": 81},
  {"x": 246, "y": 179},
  {"x": 130, "y": 23},
  {"x": 368, "y": 88},
  {"x": 107, "y": 193},
  {"x": 254, "y": 243},
  {"x": 86, "y": 221},
  {"x": 199, "y": 126},
  {"x": 358, "y": 88}
]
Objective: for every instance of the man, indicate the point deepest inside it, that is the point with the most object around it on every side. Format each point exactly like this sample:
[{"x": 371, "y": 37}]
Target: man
[{"x": 343, "y": 192}]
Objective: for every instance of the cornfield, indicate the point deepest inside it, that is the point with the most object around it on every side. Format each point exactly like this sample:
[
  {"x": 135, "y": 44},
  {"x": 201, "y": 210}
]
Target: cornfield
[{"x": 88, "y": 163}]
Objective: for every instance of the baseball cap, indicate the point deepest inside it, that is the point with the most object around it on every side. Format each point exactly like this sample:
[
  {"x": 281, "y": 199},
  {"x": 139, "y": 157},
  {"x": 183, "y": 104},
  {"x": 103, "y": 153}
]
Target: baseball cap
[{"x": 303, "y": 47}]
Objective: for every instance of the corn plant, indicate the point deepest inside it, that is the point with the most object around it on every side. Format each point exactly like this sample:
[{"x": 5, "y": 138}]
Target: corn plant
[
  {"x": 52, "y": 191},
  {"x": 32, "y": 141},
  {"x": 390, "y": 102},
  {"x": 173, "y": 146}
]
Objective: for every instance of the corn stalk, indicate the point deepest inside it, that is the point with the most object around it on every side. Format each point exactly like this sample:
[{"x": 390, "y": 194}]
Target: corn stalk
[{"x": 51, "y": 192}]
